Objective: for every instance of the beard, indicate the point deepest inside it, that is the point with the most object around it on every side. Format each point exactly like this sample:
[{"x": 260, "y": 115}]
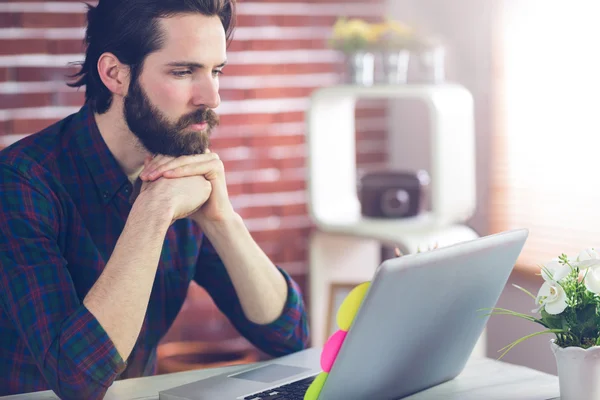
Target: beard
[{"x": 160, "y": 136}]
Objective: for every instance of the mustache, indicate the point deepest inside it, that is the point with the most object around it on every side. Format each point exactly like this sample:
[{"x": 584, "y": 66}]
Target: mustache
[{"x": 199, "y": 116}]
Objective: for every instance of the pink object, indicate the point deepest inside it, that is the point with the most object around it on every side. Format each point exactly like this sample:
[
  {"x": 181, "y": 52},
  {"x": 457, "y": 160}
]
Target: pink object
[{"x": 331, "y": 349}]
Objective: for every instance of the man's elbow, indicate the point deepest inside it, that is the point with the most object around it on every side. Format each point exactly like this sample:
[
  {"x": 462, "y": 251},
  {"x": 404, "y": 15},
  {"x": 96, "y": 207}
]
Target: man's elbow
[
  {"x": 77, "y": 388},
  {"x": 75, "y": 384}
]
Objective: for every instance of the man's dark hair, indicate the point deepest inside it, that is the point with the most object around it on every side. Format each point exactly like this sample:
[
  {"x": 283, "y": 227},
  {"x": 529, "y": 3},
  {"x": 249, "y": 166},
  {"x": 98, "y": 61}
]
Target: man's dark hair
[{"x": 129, "y": 29}]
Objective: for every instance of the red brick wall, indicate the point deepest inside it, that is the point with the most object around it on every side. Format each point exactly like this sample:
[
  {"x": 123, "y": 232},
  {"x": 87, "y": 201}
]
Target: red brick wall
[{"x": 277, "y": 58}]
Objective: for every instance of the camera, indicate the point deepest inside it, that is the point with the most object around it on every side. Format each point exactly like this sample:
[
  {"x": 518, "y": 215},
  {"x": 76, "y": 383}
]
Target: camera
[{"x": 393, "y": 194}]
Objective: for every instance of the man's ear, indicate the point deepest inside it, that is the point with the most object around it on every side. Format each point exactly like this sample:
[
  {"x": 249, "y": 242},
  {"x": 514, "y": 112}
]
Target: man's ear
[{"x": 114, "y": 74}]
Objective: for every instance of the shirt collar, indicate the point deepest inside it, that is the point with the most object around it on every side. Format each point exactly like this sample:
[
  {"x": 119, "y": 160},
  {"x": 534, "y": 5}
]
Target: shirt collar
[{"x": 102, "y": 165}]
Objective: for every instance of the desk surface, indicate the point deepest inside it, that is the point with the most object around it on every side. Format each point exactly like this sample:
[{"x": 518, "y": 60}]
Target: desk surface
[{"x": 482, "y": 378}]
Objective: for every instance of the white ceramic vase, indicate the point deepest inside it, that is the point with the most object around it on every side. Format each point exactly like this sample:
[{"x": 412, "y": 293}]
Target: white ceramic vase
[
  {"x": 360, "y": 68},
  {"x": 395, "y": 66},
  {"x": 578, "y": 372}
]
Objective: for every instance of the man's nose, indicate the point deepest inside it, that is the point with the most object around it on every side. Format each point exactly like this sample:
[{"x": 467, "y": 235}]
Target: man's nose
[{"x": 206, "y": 93}]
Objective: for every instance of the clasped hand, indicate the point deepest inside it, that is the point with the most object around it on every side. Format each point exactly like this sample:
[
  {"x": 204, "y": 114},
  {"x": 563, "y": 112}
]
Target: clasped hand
[{"x": 197, "y": 170}]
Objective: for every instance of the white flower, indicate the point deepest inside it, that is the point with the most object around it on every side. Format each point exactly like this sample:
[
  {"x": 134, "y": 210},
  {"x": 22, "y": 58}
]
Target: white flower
[
  {"x": 592, "y": 279},
  {"x": 554, "y": 271},
  {"x": 588, "y": 258},
  {"x": 552, "y": 298}
]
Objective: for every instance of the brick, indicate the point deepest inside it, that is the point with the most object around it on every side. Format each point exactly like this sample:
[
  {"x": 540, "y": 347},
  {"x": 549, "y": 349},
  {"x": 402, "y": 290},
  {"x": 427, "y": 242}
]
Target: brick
[
  {"x": 22, "y": 46},
  {"x": 285, "y": 20},
  {"x": 296, "y": 116},
  {"x": 7, "y": 20},
  {"x": 218, "y": 143},
  {"x": 264, "y": 93},
  {"x": 278, "y": 186},
  {"x": 21, "y": 100},
  {"x": 291, "y": 21},
  {"x": 250, "y": 164},
  {"x": 371, "y": 103},
  {"x": 279, "y": 69},
  {"x": 287, "y": 252},
  {"x": 257, "y": 212},
  {"x": 4, "y": 73},
  {"x": 271, "y": 93},
  {"x": 37, "y": 74},
  {"x": 370, "y": 158},
  {"x": 52, "y": 20},
  {"x": 269, "y": 141},
  {"x": 28, "y": 126},
  {"x": 302, "y": 280},
  {"x": 74, "y": 46},
  {"x": 293, "y": 254},
  {"x": 244, "y": 119},
  {"x": 370, "y": 134},
  {"x": 232, "y": 94},
  {"x": 292, "y": 209},
  {"x": 70, "y": 98},
  {"x": 277, "y": 234},
  {"x": 294, "y": 162},
  {"x": 264, "y": 45},
  {"x": 5, "y": 129},
  {"x": 370, "y": 112}
]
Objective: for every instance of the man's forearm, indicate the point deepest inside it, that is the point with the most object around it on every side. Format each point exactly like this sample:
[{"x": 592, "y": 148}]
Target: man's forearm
[
  {"x": 120, "y": 296},
  {"x": 260, "y": 287}
]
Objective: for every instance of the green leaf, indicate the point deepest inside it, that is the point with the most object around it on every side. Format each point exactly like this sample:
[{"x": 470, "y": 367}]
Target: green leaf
[
  {"x": 516, "y": 342},
  {"x": 525, "y": 291},
  {"x": 553, "y": 321},
  {"x": 586, "y": 315},
  {"x": 504, "y": 311}
]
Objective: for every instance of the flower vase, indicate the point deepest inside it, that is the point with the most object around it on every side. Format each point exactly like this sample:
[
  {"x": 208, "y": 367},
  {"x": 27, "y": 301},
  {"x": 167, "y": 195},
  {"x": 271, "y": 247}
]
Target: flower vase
[
  {"x": 360, "y": 68},
  {"x": 395, "y": 66},
  {"x": 578, "y": 372},
  {"x": 429, "y": 65}
]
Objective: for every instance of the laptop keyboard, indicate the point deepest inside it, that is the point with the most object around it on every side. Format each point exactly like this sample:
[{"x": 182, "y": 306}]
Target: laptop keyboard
[{"x": 291, "y": 391}]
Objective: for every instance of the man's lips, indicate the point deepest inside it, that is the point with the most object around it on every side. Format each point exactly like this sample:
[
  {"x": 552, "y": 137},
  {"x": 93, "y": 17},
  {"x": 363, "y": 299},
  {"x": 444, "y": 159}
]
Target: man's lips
[{"x": 200, "y": 126}]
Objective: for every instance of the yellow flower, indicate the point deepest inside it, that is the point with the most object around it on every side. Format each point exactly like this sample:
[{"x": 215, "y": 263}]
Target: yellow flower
[
  {"x": 399, "y": 28},
  {"x": 378, "y": 30},
  {"x": 354, "y": 28}
]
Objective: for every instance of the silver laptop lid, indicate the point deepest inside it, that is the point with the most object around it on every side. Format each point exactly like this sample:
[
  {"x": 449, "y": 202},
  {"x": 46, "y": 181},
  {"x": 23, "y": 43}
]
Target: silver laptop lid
[{"x": 421, "y": 318}]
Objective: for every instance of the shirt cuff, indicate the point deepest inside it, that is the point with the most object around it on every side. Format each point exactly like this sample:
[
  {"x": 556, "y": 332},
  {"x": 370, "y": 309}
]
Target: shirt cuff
[
  {"x": 90, "y": 349},
  {"x": 293, "y": 310}
]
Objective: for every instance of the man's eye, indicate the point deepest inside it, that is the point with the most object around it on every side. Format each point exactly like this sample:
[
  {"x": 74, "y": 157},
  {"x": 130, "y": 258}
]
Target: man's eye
[
  {"x": 181, "y": 73},
  {"x": 217, "y": 72}
]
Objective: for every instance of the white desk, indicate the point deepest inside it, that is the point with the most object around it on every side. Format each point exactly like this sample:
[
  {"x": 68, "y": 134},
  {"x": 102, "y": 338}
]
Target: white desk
[{"x": 483, "y": 378}]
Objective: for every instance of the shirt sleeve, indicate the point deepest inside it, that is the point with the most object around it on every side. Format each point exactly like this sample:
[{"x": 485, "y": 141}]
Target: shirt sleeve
[
  {"x": 285, "y": 335},
  {"x": 71, "y": 349}
]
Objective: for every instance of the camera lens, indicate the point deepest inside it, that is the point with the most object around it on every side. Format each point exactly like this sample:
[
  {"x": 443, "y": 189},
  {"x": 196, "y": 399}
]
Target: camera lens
[{"x": 395, "y": 202}]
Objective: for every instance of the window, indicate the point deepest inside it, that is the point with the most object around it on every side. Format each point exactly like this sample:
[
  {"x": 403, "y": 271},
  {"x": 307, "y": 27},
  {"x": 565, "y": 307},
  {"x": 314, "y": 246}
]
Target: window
[{"x": 546, "y": 166}]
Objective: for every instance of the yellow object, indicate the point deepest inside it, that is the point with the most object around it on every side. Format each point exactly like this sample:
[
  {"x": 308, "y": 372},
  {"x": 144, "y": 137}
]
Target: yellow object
[
  {"x": 352, "y": 28},
  {"x": 350, "y": 305},
  {"x": 315, "y": 387}
]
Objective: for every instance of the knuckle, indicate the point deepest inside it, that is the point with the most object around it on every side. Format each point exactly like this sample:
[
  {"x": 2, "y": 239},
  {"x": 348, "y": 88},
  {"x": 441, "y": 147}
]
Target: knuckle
[{"x": 218, "y": 164}]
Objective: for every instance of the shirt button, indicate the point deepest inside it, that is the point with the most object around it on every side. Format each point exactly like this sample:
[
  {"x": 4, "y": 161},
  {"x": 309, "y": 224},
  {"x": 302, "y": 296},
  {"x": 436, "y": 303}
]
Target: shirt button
[
  {"x": 105, "y": 194},
  {"x": 127, "y": 189}
]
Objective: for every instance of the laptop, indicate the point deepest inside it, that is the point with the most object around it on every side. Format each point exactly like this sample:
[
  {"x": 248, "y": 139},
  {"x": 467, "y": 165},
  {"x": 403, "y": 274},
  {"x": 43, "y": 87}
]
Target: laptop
[{"x": 416, "y": 328}]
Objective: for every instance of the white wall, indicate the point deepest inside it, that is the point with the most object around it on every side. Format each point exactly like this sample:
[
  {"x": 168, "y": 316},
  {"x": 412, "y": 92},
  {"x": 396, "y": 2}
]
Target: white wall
[{"x": 466, "y": 28}]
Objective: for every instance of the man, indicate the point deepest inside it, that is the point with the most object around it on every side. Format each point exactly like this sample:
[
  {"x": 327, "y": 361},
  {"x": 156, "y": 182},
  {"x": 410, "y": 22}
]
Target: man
[{"x": 107, "y": 216}]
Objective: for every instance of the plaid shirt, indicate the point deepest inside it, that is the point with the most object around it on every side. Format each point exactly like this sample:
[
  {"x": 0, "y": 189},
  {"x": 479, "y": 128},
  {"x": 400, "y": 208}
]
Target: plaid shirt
[{"x": 63, "y": 203}]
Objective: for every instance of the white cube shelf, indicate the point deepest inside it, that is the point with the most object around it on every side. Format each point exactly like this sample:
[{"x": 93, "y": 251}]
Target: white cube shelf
[{"x": 332, "y": 178}]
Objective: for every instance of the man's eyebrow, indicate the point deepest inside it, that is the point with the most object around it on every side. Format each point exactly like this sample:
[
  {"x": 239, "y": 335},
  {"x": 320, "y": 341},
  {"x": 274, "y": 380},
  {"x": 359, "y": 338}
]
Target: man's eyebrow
[{"x": 193, "y": 64}]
